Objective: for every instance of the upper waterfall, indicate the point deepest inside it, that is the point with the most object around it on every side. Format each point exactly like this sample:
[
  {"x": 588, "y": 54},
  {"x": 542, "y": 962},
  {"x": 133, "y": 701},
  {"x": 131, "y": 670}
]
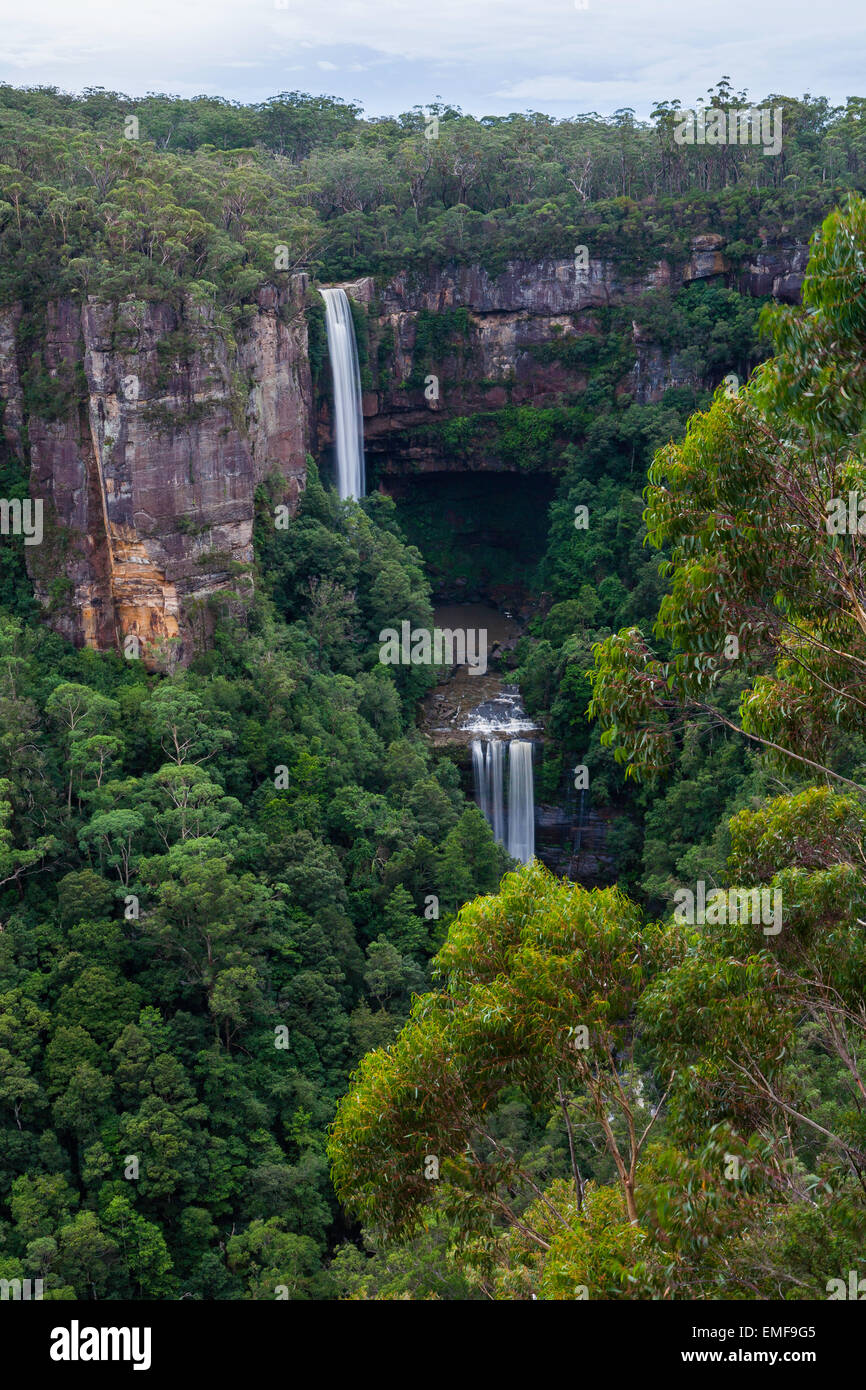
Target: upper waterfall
[{"x": 348, "y": 416}]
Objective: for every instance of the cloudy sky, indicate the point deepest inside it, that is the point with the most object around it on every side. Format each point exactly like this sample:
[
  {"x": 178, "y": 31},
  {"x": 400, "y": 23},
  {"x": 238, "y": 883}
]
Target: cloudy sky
[{"x": 487, "y": 56}]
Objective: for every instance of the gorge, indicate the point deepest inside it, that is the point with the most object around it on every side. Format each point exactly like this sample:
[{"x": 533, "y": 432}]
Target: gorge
[
  {"x": 149, "y": 469},
  {"x": 152, "y": 488},
  {"x": 376, "y": 513}
]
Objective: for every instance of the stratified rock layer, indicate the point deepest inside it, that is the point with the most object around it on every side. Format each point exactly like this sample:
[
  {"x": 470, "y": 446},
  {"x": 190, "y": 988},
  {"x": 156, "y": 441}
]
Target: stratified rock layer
[
  {"x": 508, "y": 317},
  {"x": 148, "y": 472},
  {"x": 148, "y": 480}
]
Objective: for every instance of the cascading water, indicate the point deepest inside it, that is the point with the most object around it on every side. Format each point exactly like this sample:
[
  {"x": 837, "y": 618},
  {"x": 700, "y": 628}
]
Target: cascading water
[
  {"x": 496, "y": 801},
  {"x": 348, "y": 415},
  {"x": 479, "y": 769},
  {"x": 487, "y": 765},
  {"x": 521, "y": 802}
]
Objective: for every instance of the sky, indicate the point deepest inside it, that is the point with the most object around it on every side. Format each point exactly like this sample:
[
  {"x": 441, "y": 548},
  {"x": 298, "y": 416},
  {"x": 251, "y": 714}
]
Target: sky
[{"x": 489, "y": 57}]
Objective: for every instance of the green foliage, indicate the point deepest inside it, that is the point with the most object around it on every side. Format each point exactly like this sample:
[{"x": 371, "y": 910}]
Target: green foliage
[
  {"x": 523, "y": 974},
  {"x": 742, "y": 505},
  {"x": 202, "y": 198},
  {"x": 193, "y": 953},
  {"x": 212, "y": 885},
  {"x": 751, "y": 1025},
  {"x": 438, "y": 337}
]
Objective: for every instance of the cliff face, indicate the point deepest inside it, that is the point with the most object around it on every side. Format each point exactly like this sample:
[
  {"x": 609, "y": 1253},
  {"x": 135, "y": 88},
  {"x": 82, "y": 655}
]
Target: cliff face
[
  {"x": 506, "y": 318},
  {"x": 492, "y": 360},
  {"x": 148, "y": 477},
  {"x": 147, "y": 468}
]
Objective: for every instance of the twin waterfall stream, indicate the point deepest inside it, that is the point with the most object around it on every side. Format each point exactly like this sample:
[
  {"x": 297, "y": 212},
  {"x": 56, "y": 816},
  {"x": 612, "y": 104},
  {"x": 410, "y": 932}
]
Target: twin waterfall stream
[
  {"x": 488, "y": 758},
  {"x": 512, "y": 821}
]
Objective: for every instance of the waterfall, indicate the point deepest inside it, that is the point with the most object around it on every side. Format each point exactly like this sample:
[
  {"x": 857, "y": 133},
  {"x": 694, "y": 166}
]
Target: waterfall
[
  {"x": 497, "y": 805},
  {"x": 348, "y": 416},
  {"x": 487, "y": 765},
  {"x": 479, "y": 769},
  {"x": 521, "y": 802}
]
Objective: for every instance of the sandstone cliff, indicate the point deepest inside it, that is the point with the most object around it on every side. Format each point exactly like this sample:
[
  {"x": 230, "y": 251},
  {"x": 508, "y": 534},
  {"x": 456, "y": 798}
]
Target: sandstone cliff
[
  {"x": 148, "y": 476},
  {"x": 507, "y": 318},
  {"x": 148, "y": 471}
]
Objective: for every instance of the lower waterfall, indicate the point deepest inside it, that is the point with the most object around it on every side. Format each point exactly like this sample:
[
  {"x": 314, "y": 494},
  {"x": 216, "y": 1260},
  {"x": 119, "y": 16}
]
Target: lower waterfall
[
  {"x": 482, "y": 785},
  {"x": 521, "y": 802},
  {"x": 487, "y": 765}
]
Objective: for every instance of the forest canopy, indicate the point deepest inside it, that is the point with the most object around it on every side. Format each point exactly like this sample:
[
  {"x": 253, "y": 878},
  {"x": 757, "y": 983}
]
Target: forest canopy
[
  {"x": 705, "y": 1071},
  {"x": 279, "y": 1017},
  {"x": 108, "y": 194}
]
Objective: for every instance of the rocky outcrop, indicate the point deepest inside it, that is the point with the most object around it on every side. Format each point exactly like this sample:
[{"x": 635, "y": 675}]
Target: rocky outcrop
[
  {"x": 656, "y": 371},
  {"x": 11, "y": 394},
  {"x": 507, "y": 319},
  {"x": 779, "y": 269},
  {"x": 148, "y": 466},
  {"x": 548, "y": 288},
  {"x": 707, "y": 259},
  {"x": 148, "y": 477}
]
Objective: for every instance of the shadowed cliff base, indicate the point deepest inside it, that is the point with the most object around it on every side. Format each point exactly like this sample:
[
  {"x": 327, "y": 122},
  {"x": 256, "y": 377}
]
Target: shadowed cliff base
[{"x": 481, "y": 535}]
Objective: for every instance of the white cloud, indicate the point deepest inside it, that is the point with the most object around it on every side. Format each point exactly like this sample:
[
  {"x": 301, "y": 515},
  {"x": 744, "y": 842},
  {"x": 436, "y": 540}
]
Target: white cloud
[
  {"x": 550, "y": 88},
  {"x": 485, "y": 55}
]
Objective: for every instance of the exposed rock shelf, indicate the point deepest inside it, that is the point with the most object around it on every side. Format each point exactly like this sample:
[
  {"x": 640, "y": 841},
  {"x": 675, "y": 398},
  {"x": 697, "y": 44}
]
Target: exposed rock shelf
[
  {"x": 151, "y": 471},
  {"x": 148, "y": 471}
]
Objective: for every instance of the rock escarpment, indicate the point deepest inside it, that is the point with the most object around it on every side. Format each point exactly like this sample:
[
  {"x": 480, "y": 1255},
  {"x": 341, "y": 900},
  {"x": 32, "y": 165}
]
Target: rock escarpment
[
  {"x": 148, "y": 471},
  {"x": 160, "y": 423},
  {"x": 501, "y": 322}
]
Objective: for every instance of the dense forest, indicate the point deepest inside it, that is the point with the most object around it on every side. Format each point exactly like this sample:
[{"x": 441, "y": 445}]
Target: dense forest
[
  {"x": 703, "y": 1071},
  {"x": 279, "y": 1018},
  {"x": 109, "y": 194}
]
